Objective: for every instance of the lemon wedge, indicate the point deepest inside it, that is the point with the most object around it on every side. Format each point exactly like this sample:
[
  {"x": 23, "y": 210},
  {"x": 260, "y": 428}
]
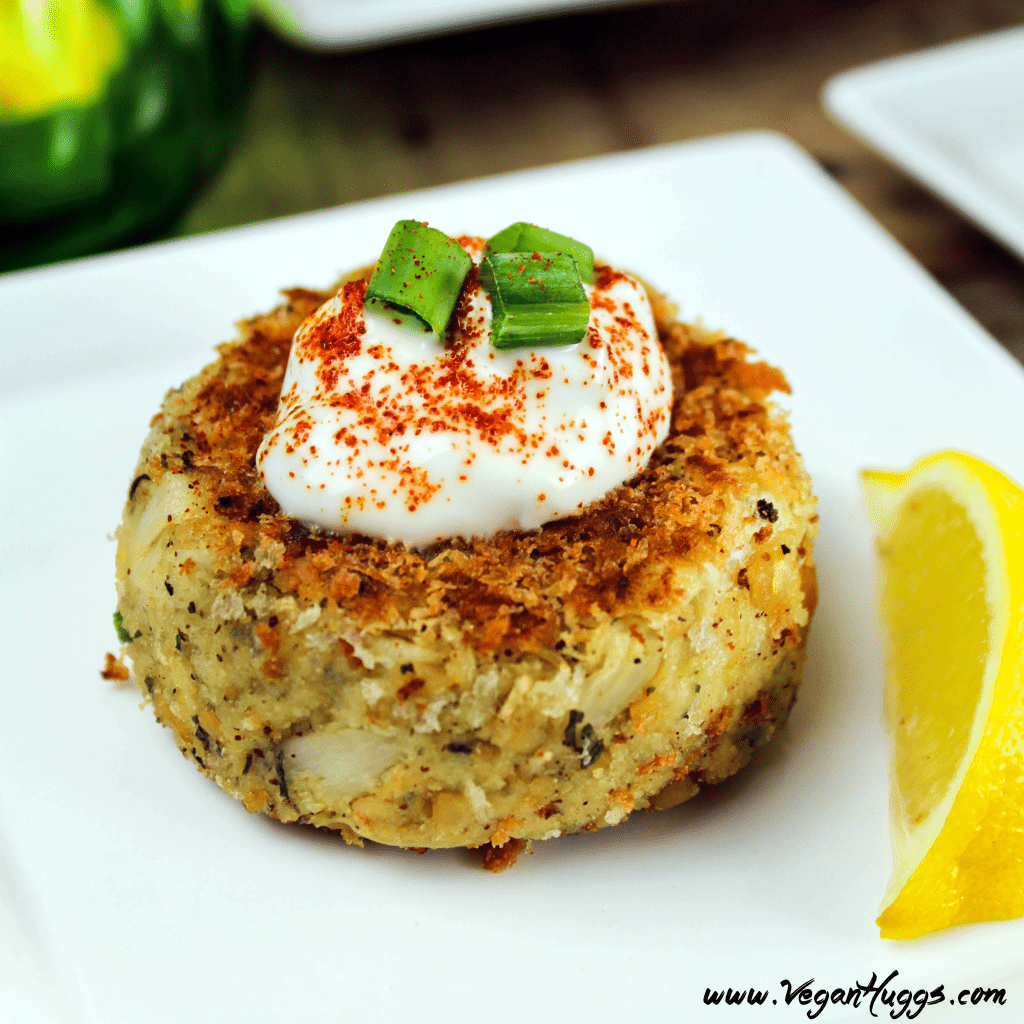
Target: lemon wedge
[{"x": 950, "y": 534}]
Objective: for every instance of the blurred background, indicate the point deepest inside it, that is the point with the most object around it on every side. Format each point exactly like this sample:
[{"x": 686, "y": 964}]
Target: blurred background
[{"x": 124, "y": 121}]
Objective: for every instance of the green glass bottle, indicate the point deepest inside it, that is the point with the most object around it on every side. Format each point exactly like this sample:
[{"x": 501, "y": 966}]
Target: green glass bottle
[{"x": 111, "y": 112}]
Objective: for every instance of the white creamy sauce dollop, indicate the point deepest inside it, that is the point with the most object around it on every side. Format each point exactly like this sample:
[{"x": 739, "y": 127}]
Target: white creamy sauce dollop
[{"x": 381, "y": 430}]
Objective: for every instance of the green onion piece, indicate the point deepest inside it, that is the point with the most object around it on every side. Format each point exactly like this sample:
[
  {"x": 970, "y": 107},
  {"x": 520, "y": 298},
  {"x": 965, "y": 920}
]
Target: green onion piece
[
  {"x": 535, "y": 300},
  {"x": 523, "y": 237},
  {"x": 420, "y": 271},
  {"x": 122, "y": 634}
]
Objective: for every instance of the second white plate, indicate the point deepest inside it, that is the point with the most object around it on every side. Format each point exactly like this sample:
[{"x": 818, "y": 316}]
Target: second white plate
[
  {"x": 348, "y": 24},
  {"x": 953, "y": 117}
]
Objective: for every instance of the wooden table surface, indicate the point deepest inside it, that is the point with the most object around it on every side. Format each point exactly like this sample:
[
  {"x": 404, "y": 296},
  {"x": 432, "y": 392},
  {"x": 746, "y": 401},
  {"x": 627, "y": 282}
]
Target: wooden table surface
[{"x": 325, "y": 129}]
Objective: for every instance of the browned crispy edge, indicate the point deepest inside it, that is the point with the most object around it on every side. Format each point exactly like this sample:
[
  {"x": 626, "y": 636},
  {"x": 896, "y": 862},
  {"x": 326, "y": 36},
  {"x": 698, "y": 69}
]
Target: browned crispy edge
[{"x": 509, "y": 588}]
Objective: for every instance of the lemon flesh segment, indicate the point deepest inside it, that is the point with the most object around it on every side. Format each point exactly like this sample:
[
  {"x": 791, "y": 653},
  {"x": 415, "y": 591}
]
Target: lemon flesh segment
[{"x": 951, "y": 548}]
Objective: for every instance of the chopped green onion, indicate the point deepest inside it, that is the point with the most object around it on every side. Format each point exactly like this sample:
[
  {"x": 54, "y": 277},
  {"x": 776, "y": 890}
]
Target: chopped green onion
[
  {"x": 523, "y": 237},
  {"x": 420, "y": 271},
  {"x": 535, "y": 300},
  {"x": 122, "y": 634}
]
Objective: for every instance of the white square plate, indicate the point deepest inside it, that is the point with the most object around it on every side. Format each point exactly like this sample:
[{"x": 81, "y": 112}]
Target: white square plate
[
  {"x": 139, "y": 892},
  {"x": 953, "y": 117},
  {"x": 346, "y": 24}
]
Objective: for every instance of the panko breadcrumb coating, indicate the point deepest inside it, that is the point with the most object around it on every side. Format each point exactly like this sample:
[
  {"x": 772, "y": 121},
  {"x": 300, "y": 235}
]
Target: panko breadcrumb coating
[{"x": 485, "y": 690}]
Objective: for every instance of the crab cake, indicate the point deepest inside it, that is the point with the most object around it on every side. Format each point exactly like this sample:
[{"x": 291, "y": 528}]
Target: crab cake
[{"x": 476, "y": 690}]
